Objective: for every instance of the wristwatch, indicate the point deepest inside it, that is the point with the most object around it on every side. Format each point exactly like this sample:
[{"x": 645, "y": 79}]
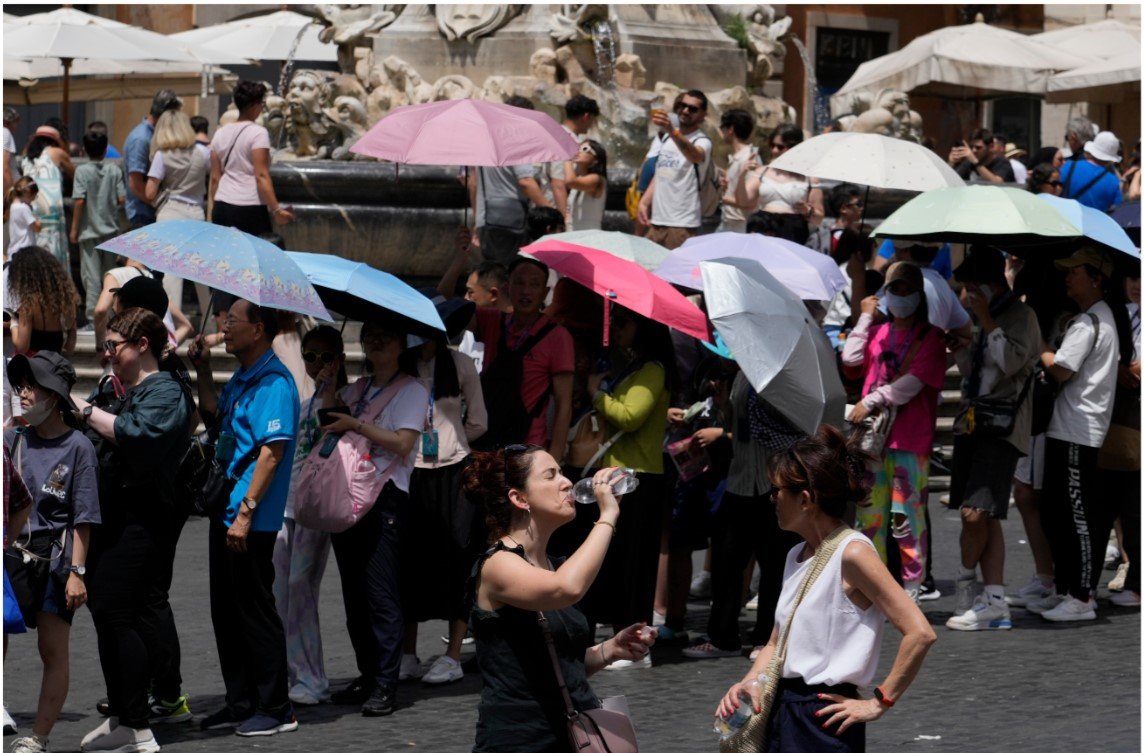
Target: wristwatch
[
  {"x": 883, "y": 699},
  {"x": 87, "y": 413},
  {"x": 250, "y": 503},
  {"x": 79, "y": 570}
]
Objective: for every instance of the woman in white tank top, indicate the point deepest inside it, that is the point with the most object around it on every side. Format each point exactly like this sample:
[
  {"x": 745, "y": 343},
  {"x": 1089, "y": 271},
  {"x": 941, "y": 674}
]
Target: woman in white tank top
[
  {"x": 586, "y": 176},
  {"x": 836, "y": 631},
  {"x": 790, "y": 202}
]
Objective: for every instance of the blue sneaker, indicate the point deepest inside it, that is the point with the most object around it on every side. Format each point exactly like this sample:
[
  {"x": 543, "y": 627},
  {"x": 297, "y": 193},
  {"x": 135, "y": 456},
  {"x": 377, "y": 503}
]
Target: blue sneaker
[{"x": 263, "y": 724}]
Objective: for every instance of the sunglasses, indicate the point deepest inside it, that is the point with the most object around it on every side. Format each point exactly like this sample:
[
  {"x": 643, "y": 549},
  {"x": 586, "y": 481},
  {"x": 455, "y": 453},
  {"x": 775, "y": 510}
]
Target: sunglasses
[
  {"x": 111, "y": 347},
  {"x": 310, "y": 356},
  {"x": 1054, "y": 183},
  {"x": 688, "y": 108},
  {"x": 587, "y": 149},
  {"x": 515, "y": 449}
]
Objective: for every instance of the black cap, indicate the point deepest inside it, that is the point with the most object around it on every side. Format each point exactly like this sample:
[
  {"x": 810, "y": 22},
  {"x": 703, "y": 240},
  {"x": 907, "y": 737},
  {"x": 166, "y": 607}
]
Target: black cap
[
  {"x": 46, "y": 368},
  {"x": 983, "y": 264},
  {"x": 145, "y": 293},
  {"x": 456, "y": 313}
]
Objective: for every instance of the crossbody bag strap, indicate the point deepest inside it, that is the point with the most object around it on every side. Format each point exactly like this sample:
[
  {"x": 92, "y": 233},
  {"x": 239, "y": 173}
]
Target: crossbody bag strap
[
  {"x": 233, "y": 144},
  {"x": 915, "y": 346},
  {"x": 1091, "y": 183},
  {"x": 569, "y": 709}
]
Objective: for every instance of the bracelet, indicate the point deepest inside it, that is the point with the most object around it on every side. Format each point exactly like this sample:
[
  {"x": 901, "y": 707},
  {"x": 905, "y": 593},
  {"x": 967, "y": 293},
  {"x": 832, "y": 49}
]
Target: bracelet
[
  {"x": 676, "y": 133},
  {"x": 605, "y": 523},
  {"x": 603, "y": 655}
]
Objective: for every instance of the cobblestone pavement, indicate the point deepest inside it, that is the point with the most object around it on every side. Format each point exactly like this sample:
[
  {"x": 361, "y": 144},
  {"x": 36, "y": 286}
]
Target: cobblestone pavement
[{"x": 1038, "y": 687}]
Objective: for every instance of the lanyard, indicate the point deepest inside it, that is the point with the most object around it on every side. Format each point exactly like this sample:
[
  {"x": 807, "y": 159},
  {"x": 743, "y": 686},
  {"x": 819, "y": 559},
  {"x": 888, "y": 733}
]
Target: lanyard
[
  {"x": 365, "y": 399},
  {"x": 432, "y": 396}
]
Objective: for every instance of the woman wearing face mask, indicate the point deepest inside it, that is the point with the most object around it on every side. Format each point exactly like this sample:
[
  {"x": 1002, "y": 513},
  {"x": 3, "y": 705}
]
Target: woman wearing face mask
[
  {"x": 300, "y": 553},
  {"x": 47, "y": 561},
  {"x": 903, "y": 363},
  {"x": 133, "y": 552}
]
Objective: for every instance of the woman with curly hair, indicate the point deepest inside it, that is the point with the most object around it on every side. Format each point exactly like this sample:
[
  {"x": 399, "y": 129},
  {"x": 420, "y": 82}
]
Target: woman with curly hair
[{"x": 42, "y": 301}]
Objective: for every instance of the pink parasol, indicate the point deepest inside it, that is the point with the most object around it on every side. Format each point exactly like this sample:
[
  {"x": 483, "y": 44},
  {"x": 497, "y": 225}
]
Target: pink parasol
[
  {"x": 466, "y": 132},
  {"x": 624, "y": 282}
]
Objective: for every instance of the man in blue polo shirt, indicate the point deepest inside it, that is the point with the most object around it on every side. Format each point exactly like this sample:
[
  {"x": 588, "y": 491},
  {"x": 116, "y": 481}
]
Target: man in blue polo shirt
[
  {"x": 137, "y": 158},
  {"x": 257, "y": 415},
  {"x": 1093, "y": 180}
]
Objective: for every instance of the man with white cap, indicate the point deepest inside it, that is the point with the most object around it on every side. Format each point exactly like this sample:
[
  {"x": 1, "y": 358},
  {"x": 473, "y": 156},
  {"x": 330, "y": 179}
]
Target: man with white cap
[{"x": 1093, "y": 181}]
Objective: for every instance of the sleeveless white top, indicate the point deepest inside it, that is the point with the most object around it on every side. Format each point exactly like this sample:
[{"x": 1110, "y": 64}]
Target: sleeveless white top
[
  {"x": 831, "y": 641},
  {"x": 787, "y": 193},
  {"x": 587, "y": 212}
]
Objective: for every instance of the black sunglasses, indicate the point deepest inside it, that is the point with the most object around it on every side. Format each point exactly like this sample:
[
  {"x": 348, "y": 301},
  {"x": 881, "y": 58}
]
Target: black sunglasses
[
  {"x": 515, "y": 449},
  {"x": 689, "y": 108},
  {"x": 309, "y": 356}
]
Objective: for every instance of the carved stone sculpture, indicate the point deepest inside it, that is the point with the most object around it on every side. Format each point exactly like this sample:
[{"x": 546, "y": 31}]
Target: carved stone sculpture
[
  {"x": 630, "y": 72},
  {"x": 763, "y": 35},
  {"x": 349, "y": 26},
  {"x": 543, "y": 65},
  {"x": 453, "y": 87},
  {"x": 471, "y": 22},
  {"x": 350, "y": 119},
  {"x": 569, "y": 24}
]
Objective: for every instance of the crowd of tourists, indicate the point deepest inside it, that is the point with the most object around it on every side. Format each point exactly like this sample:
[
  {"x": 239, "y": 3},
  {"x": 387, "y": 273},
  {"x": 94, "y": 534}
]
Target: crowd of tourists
[{"x": 468, "y": 444}]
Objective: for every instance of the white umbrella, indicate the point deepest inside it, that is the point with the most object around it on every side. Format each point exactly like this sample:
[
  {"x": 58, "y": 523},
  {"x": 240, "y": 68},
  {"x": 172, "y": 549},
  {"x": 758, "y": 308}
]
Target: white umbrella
[
  {"x": 972, "y": 61},
  {"x": 809, "y": 275},
  {"x": 1110, "y": 80},
  {"x": 869, "y": 159},
  {"x": 268, "y": 37},
  {"x": 1103, "y": 39},
  {"x": 776, "y": 343}
]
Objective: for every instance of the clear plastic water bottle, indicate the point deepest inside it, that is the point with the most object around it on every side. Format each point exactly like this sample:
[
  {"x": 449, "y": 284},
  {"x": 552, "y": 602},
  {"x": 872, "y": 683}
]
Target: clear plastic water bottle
[
  {"x": 627, "y": 483},
  {"x": 725, "y": 727}
]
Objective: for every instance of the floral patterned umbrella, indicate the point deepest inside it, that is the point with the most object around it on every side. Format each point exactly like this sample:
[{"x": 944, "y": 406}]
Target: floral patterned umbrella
[{"x": 225, "y": 259}]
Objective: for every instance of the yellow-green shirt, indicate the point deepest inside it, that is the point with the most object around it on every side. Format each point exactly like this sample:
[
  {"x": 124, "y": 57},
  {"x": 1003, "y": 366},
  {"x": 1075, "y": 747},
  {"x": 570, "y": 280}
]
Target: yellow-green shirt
[{"x": 638, "y": 407}]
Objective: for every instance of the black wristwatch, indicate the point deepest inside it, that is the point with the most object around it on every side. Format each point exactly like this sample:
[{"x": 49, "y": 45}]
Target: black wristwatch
[
  {"x": 87, "y": 413},
  {"x": 79, "y": 570}
]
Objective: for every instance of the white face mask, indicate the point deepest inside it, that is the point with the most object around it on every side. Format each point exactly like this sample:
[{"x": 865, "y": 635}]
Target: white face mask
[
  {"x": 903, "y": 306},
  {"x": 39, "y": 412},
  {"x": 986, "y": 293}
]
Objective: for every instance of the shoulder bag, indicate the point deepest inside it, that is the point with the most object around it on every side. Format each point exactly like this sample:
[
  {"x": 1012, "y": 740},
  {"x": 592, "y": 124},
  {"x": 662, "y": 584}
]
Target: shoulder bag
[
  {"x": 752, "y": 736},
  {"x": 595, "y": 730}
]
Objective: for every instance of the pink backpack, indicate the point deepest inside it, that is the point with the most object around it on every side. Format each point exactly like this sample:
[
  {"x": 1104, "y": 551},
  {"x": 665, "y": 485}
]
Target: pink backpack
[{"x": 336, "y": 491}]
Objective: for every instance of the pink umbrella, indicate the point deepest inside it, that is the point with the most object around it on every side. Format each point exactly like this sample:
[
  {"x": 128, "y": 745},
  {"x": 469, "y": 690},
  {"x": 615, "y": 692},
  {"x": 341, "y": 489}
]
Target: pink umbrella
[
  {"x": 466, "y": 132},
  {"x": 624, "y": 282}
]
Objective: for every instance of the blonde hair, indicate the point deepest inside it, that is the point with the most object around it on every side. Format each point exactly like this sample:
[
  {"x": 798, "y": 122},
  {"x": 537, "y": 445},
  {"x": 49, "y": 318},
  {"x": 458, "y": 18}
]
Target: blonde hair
[
  {"x": 172, "y": 131},
  {"x": 24, "y": 189}
]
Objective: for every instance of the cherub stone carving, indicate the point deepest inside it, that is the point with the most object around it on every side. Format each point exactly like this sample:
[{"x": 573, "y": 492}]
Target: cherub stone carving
[
  {"x": 763, "y": 35},
  {"x": 349, "y": 26},
  {"x": 349, "y": 117},
  {"x": 307, "y": 124},
  {"x": 569, "y": 24},
  {"x": 453, "y": 87}
]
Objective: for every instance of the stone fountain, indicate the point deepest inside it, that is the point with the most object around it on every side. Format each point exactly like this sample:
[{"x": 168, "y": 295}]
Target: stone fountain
[{"x": 626, "y": 57}]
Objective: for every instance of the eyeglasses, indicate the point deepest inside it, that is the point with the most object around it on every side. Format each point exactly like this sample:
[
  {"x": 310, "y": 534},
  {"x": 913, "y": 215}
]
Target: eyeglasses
[
  {"x": 688, "y": 108},
  {"x": 1053, "y": 183},
  {"x": 22, "y": 389},
  {"x": 377, "y": 338},
  {"x": 111, "y": 347},
  {"x": 310, "y": 356},
  {"x": 230, "y": 321}
]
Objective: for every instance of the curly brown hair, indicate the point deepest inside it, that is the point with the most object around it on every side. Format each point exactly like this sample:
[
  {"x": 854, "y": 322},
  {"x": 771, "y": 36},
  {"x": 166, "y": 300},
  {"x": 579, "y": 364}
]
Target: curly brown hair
[{"x": 42, "y": 286}]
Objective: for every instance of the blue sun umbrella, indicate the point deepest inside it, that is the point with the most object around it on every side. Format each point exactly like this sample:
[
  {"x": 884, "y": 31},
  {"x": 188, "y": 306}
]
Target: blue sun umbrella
[
  {"x": 358, "y": 291},
  {"x": 1094, "y": 225}
]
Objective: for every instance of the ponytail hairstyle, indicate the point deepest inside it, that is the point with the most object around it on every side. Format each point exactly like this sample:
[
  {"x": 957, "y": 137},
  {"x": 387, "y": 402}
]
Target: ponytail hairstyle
[
  {"x": 332, "y": 339},
  {"x": 489, "y": 477},
  {"x": 137, "y": 323},
  {"x": 24, "y": 189},
  {"x": 829, "y": 466},
  {"x": 446, "y": 383}
]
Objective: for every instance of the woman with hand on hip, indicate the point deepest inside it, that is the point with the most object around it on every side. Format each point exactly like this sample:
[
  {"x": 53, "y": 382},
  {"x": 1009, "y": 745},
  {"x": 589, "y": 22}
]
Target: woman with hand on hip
[
  {"x": 526, "y": 498},
  {"x": 828, "y": 633}
]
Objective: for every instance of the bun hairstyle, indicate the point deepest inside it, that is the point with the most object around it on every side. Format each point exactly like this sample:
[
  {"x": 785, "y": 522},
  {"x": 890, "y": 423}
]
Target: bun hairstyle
[
  {"x": 487, "y": 480},
  {"x": 136, "y": 323},
  {"x": 828, "y": 465}
]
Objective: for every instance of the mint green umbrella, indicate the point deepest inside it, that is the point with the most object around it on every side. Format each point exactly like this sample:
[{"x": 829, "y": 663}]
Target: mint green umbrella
[
  {"x": 647, "y": 254},
  {"x": 997, "y": 215}
]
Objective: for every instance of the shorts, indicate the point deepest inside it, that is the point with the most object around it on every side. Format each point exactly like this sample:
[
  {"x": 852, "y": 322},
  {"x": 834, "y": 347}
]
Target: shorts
[
  {"x": 670, "y": 238},
  {"x": 1031, "y": 468},
  {"x": 983, "y": 474},
  {"x": 36, "y": 586}
]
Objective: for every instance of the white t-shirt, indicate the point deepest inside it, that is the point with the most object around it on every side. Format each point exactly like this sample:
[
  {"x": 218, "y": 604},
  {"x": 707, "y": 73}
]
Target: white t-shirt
[
  {"x": 734, "y": 169},
  {"x": 472, "y": 348},
  {"x": 9, "y": 142},
  {"x": 407, "y": 410},
  {"x": 1083, "y": 409},
  {"x": 237, "y": 185},
  {"x": 676, "y": 199},
  {"x": 1020, "y": 172},
  {"x": 20, "y": 232}
]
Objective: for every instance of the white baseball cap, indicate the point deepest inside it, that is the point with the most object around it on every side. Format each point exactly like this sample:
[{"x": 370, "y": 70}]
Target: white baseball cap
[{"x": 1104, "y": 147}]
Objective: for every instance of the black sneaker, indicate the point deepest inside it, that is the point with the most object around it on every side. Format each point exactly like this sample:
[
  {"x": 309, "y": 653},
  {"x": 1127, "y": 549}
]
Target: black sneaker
[
  {"x": 382, "y": 702},
  {"x": 356, "y": 692},
  {"x": 928, "y": 591},
  {"x": 224, "y": 718}
]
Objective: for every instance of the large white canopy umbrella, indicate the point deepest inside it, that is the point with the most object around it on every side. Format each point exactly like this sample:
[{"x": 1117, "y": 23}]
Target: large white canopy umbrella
[
  {"x": 971, "y": 61},
  {"x": 1103, "y": 39},
  {"x": 68, "y": 35},
  {"x": 1111, "y": 80},
  {"x": 268, "y": 37},
  {"x": 869, "y": 159}
]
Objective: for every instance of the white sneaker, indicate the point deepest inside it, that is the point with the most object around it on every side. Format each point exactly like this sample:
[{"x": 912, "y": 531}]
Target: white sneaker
[
  {"x": 1125, "y": 598},
  {"x": 1111, "y": 556},
  {"x": 1072, "y": 609},
  {"x": 1117, "y": 582},
  {"x": 753, "y": 604},
  {"x": 443, "y": 671},
  {"x": 9, "y": 723},
  {"x": 986, "y": 614},
  {"x": 701, "y": 585},
  {"x": 967, "y": 592},
  {"x": 28, "y": 745},
  {"x": 619, "y": 665},
  {"x": 1034, "y": 590},
  {"x": 124, "y": 740},
  {"x": 109, "y": 724},
  {"x": 410, "y": 667},
  {"x": 657, "y": 619},
  {"x": 466, "y": 641},
  {"x": 1044, "y": 604}
]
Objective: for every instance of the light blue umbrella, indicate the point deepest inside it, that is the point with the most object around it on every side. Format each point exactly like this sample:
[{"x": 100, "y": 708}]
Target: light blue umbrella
[
  {"x": 358, "y": 291},
  {"x": 222, "y": 258},
  {"x": 1094, "y": 225}
]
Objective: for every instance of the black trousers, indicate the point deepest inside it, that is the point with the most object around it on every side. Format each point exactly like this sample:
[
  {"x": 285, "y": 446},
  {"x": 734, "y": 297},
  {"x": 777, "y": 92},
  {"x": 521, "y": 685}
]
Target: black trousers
[
  {"x": 1073, "y": 515},
  {"x": 129, "y": 554},
  {"x": 248, "y": 631},
  {"x": 743, "y": 526},
  {"x": 1120, "y": 490},
  {"x": 167, "y": 678},
  {"x": 249, "y": 219},
  {"x": 368, "y": 555}
]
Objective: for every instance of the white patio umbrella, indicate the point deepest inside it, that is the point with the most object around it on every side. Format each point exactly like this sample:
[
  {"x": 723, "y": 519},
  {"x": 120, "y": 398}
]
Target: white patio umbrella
[
  {"x": 776, "y": 343},
  {"x": 68, "y": 35},
  {"x": 972, "y": 61},
  {"x": 268, "y": 37},
  {"x": 869, "y": 159},
  {"x": 1110, "y": 80},
  {"x": 1103, "y": 39}
]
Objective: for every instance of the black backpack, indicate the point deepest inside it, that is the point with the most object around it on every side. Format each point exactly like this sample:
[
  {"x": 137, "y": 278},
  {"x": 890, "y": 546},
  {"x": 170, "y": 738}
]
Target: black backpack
[{"x": 509, "y": 419}]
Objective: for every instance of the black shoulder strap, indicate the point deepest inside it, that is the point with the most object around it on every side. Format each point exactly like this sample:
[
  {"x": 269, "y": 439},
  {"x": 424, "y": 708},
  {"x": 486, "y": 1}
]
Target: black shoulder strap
[
  {"x": 1087, "y": 186},
  {"x": 233, "y": 144}
]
